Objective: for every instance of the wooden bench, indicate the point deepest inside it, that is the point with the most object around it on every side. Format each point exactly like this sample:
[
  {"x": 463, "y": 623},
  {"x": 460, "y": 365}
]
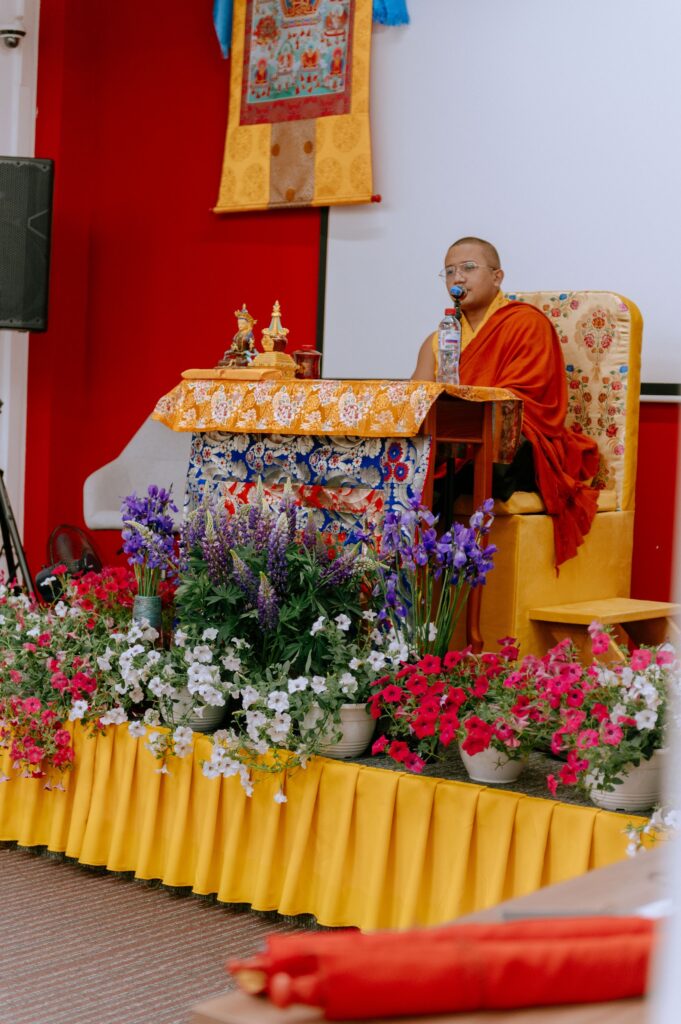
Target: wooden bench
[{"x": 631, "y": 620}]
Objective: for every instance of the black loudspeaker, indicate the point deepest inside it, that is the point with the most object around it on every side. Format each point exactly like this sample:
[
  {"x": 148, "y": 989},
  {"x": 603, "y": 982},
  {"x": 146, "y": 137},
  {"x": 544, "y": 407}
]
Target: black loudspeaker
[{"x": 25, "y": 222}]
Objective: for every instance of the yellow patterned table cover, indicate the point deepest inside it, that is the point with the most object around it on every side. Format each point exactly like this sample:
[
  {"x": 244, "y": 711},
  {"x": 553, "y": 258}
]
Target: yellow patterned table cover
[{"x": 360, "y": 408}]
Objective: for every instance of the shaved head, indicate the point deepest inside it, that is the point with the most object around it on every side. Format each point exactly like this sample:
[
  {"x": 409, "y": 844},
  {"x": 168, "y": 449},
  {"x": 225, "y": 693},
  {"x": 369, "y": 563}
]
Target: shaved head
[{"x": 491, "y": 253}]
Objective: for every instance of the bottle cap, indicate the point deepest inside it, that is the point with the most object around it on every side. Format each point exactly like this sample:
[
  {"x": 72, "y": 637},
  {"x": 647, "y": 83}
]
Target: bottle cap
[{"x": 450, "y": 312}]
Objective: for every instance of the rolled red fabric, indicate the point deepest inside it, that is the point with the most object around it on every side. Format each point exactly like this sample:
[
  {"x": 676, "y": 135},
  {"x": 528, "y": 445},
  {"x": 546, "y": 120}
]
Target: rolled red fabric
[
  {"x": 475, "y": 976},
  {"x": 455, "y": 967}
]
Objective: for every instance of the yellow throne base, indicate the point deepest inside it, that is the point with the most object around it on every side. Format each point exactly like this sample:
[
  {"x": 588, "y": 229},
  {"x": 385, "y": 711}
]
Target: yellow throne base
[{"x": 525, "y": 555}]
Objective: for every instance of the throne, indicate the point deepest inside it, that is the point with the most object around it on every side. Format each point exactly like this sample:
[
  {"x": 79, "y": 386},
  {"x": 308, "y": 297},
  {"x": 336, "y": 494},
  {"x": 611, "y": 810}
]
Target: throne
[{"x": 600, "y": 334}]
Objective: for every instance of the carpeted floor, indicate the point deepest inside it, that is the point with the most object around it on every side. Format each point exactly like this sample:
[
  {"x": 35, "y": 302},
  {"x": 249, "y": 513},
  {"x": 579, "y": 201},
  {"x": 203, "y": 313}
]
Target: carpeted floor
[{"x": 85, "y": 947}]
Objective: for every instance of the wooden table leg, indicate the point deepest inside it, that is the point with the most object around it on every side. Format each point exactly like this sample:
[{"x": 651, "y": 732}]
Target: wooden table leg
[{"x": 482, "y": 489}]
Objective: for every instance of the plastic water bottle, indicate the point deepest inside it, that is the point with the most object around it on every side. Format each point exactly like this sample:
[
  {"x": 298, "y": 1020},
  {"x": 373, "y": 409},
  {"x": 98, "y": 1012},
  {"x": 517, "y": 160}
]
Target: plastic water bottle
[{"x": 448, "y": 348}]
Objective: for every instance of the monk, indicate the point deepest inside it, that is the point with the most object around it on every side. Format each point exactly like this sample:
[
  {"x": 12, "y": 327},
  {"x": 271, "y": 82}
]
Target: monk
[{"x": 513, "y": 345}]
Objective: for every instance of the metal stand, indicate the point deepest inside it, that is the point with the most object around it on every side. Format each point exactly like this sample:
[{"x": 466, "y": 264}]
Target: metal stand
[{"x": 11, "y": 546}]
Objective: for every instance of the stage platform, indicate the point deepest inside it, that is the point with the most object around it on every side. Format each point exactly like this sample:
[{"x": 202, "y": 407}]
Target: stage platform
[{"x": 353, "y": 844}]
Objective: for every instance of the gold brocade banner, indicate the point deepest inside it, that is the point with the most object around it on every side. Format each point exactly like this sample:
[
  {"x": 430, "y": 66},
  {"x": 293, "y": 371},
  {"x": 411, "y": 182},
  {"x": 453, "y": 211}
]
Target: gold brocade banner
[
  {"x": 298, "y": 122},
  {"x": 360, "y": 408}
]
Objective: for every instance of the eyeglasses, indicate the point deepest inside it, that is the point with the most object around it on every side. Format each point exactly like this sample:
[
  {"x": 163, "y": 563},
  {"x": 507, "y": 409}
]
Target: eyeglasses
[{"x": 465, "y": 268}]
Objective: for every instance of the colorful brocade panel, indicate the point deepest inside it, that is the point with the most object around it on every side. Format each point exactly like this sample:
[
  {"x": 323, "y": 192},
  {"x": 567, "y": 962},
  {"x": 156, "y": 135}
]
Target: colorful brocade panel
[{"x": 342, "y": 483}]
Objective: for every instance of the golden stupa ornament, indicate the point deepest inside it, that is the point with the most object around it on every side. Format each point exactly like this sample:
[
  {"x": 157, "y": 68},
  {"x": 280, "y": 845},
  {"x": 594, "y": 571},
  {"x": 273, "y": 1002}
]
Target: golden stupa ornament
[{"x": 274, "y": 340}]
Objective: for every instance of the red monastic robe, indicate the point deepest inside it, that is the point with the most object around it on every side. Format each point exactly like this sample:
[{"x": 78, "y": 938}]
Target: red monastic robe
[{"x": 519, "y": 349}]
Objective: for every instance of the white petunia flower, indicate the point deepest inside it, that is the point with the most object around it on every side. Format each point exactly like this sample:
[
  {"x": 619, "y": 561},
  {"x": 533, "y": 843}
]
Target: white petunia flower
[
  {"x": 137, "y": 729},
  {"x": 278, "y": 701},
  {"x": 369, "y": 616},
  {"x": 377, "y": 660},
  {"x": 318, "y": 625},
  {"x": 279, "y": 728},
  {"x": 297, "y": 685},
  {"x": 645, "y": 719},
  {"x": 280, "y": 797},
  {"x": 355, "y": 664},
  {"x": 78, "y": 709},
  {"x": 432, "y": 631},
  {"x": 343, "y": 622},
  {"x": 348, "y": 684},
  {"x": 318, "y": 684},
  {"x": 209, "y": 634},
  {"x": 152, "y": 717},
  {"x": 114, "y": 716},
  {"x": 249, "y": 695},
  {"x": 231, "y": 663},
  {"x": 180, "y": 638}
]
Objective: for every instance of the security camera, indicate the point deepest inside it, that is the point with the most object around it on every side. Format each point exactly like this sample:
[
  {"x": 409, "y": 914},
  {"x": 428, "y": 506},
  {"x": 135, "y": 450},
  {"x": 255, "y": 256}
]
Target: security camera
[{"x": 11, "y": 37}]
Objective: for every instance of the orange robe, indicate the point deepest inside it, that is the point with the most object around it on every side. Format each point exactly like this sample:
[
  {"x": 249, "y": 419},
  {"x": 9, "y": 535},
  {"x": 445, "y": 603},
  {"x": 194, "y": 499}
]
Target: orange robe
[{"x": 519, "y": 349}]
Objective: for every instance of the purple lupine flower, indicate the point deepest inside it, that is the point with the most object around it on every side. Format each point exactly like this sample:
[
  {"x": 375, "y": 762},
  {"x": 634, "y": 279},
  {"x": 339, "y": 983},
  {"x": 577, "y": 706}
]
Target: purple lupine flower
[
  {"x": 340, "y": 569},
  {"x": 276, "y": 554},
  {"x": 245, "y": 578},
  {"x": 266, "y": 603}
]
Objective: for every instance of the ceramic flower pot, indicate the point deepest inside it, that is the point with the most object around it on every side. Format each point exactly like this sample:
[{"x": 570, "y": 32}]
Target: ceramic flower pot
[
  {"x": 357, "y": 728},
  {"x": 492, "y": 766},
  {"x": 148, "y": 608},
  {"x": 640, "y": 789},
  {"x": 211, "y": 718}
]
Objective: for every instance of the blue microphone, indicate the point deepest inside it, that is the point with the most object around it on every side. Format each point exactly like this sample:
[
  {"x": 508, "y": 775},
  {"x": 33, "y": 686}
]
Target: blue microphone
[{"x": 457, "y": 292}]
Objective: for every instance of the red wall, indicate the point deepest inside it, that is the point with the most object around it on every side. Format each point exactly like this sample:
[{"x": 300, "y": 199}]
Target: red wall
[
  {"x": 656, "y": 491},
  {"x": 132, "y": 101}
]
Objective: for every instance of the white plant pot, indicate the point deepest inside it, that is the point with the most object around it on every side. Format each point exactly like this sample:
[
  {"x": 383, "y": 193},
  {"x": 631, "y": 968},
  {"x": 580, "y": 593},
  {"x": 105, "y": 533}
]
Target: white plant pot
[
  {"x": 209, "y": 720},
  {"x": 640, "y": 789},
  {"x": 357, "y": 727},
  {"x": 491, "y": 766}
]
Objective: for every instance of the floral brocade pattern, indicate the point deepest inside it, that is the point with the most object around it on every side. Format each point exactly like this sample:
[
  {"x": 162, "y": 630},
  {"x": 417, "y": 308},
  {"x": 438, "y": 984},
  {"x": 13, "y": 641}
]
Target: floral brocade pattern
[
  {"x": 595, "y": 332},
  {"x": 333, "y": 407},
  {"x": 341, "y": 482}
]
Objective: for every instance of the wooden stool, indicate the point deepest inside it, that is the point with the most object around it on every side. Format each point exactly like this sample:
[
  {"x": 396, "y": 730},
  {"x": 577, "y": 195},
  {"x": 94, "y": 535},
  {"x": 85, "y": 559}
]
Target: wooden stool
[{"x": 643, "y": 622}]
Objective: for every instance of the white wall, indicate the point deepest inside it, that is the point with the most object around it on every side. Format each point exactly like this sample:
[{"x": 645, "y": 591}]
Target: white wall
[
  {"x": 18, "y": 76},
  {"x": 549, "y": 127}
]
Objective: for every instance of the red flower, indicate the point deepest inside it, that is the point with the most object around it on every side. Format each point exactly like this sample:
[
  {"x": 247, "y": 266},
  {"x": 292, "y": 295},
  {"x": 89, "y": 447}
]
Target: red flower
[
  {"x": 424, "y": 726},
  {"x": 567, "y": 776},
  {"x": 430, "y": 664},
  {"x": 418, "y": 685},
  {"x": 379, "y": 745},
  {"x": 392, "y": 694},
  {"x": 611, "y": 733},
  {"x": 640, "y": 660},
  {"x": 374, "y": 704},
  {"x": 398, "y": 750},
  {"x": 414, "y": 763},
  {"x": 481, "y": 687},
  {"x": 552, "y": 783}
]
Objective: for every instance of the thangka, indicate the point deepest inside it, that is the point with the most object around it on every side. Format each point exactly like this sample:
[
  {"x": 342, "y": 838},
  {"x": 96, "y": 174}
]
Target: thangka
[
  {"x": 343, "y": 483},
  {"x": 298, "y": 123}
]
